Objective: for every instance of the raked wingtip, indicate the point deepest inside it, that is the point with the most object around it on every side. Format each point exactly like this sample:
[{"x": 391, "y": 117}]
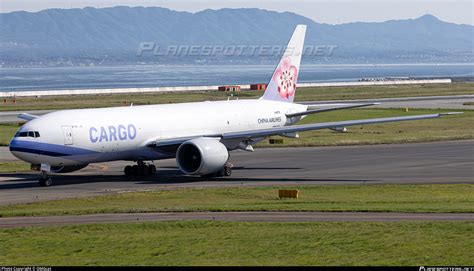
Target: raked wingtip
[{"x": 450, "y": 113}]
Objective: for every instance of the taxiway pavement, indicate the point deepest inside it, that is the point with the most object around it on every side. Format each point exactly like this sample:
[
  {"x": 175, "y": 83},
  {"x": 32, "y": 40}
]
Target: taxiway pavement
[{"x": 440, "y": 162}]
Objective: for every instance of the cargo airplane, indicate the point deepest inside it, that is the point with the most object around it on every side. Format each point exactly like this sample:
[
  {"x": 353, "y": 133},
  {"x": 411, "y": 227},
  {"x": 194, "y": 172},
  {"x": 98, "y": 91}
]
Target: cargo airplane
[{"x": 199, "y": 135}]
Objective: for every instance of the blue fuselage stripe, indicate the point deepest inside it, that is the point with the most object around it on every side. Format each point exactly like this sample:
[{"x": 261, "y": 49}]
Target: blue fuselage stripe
[{"x": 47, "y": 149}]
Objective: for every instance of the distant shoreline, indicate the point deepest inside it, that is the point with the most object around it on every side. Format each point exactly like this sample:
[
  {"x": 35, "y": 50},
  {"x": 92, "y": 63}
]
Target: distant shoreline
[
  {"x": 153, "y": 76},
  {"x": 382, "y": 64}
]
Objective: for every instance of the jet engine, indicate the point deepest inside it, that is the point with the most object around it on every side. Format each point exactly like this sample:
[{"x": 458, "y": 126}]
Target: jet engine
[{"x": 202, "y": 156}]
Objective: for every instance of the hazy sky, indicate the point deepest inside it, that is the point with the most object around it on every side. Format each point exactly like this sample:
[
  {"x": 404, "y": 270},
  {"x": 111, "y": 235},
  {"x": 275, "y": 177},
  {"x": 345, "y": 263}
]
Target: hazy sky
[{"x": 323, "y": 11}]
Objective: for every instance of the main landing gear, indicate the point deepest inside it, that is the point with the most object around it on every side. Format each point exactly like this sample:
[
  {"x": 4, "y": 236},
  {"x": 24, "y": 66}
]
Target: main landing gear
[
  {"x": 227, "y": 170},
  {"x": 224, "y": 172},
  {"x": 45, "y": 180},
  {"x": 140, "y": 169}
]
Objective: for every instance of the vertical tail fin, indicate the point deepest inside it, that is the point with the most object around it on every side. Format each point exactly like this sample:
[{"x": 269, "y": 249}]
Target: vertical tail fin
[{"x": 282, "y": 85}]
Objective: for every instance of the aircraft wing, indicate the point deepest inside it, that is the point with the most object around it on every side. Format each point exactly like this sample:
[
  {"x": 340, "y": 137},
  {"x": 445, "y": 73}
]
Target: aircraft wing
[
  {"x": 325, "y": 125},
  {"x": 173, "y": 143}
]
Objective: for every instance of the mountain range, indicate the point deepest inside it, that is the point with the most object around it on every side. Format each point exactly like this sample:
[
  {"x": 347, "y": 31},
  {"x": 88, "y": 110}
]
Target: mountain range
[{"x": 113, "y": 35}]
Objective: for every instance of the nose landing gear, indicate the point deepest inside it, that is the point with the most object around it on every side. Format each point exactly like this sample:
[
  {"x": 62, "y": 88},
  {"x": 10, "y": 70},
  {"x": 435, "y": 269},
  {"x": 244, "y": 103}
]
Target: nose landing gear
[
  {"x": 45, "y": 180},
  {"x": 140, "y": 169}
]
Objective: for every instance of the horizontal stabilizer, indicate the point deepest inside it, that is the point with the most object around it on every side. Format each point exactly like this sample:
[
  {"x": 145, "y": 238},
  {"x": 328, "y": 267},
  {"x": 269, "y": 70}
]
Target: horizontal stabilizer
[
  {"x": 329, "y": 108},
  {"x": 26, "y": 116}
]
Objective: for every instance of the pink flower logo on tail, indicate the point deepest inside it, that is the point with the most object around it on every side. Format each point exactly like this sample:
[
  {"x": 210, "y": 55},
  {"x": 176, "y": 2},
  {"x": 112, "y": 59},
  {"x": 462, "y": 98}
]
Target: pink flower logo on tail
[{"x": 285, "y": 78}]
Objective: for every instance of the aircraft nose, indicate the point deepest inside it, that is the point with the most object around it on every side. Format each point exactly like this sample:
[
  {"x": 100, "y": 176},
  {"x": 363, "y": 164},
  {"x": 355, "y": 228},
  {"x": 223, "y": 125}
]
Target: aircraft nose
[
  {"x": 14, "y": 149},
  {"x": 19, "y": 151}
]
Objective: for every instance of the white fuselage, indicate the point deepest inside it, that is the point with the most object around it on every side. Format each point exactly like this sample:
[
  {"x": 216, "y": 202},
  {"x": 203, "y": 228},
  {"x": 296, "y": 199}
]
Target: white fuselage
[{"x": 82, "y": 136}]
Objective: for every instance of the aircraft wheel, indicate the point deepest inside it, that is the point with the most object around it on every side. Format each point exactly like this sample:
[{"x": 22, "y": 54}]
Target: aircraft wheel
[
  {"x": 152, "y": 170},
  {"x": 127, "y": 171},
  {"x": 227, "y": 171},
  {"x": 144, "y": 170},
  {"x": 134, "y": 171},
  {"x": 45, "y": 182}
]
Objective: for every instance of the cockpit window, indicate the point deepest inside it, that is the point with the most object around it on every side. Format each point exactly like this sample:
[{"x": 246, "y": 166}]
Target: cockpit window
[
  {"x": 28, "y": 134},
  {"x": 22, "y": 134}
]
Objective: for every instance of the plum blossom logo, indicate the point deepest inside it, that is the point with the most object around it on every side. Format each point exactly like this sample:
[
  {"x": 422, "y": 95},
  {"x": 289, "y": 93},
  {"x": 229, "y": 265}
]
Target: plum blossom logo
[{"x": 285, "y": 78}]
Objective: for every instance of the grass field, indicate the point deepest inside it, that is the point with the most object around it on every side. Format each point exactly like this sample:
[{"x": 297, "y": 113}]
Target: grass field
[
  {"x": 369, "y": 198},
  {"x": 448, "y": 128},
  {"x": 11, "y": 167},
  {"x": 236, "y": 243},
  {"x": 6, "y": 133},
  {"x": 303, "y": 94}
]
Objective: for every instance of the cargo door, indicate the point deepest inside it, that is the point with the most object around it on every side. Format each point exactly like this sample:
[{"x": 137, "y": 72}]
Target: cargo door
[{"x": 68, "y": 137}]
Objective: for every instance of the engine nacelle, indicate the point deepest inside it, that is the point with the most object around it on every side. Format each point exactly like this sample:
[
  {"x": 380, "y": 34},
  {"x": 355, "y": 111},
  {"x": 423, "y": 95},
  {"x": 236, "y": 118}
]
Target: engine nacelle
[{"x": 201, "y": 156}]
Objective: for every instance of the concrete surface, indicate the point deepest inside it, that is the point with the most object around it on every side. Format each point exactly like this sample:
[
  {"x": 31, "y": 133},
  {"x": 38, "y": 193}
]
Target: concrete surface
[{"x": 441, "y": 162}]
